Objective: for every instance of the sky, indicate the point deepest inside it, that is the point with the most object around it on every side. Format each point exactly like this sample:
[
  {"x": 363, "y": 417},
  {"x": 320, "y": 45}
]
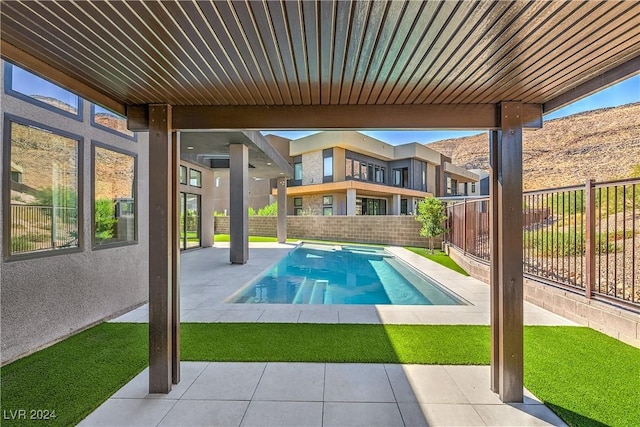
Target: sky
[{"x": 625, "y": 92}]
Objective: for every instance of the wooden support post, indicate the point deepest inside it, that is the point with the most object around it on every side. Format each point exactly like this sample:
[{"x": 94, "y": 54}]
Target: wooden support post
[
  {"x": 175, "y": 258},
  {"x": 510, "y": 295},
  {"x": 494, "y": 150},
  {"x": 161, "y": 205},
  {"x": 590, "y": 238}
]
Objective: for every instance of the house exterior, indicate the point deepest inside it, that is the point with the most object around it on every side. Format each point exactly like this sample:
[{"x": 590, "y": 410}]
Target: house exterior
[
  {"x": 349, "y": 173},
  {"x": 75, "y": 210}
]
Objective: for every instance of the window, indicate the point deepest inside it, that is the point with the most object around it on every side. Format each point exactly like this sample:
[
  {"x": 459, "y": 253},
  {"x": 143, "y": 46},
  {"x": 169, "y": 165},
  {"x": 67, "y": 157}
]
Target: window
[
  {"x": 328, "y": 166},
  {"x": 371, "y": 206},
  {"x": 189, "y": 221},
  {"x": 397, "y": 177},
  {"x": 363, "y": 171},
  {"x": 473, "y": 188},
  {"x": 195, "y": 178},
  {"x": 31, "y": 88},
  {"x": 424, "y": 178},
  {"x": 327, "y": 205},
  {"x": 44, "y": 213},
  {"x": 297, "y": 171},
  {"x": 379, "y": 172},
  {"x": 348, "y": 168},
  {"x": 110, "y": 121},
  {"x": 297, "y": 205},
  {"x": 383, "y": 173},
  {"x": 183, "y": 175},
  {"x": 356, "y": 169},
  {"x": 114, "y": 201}
]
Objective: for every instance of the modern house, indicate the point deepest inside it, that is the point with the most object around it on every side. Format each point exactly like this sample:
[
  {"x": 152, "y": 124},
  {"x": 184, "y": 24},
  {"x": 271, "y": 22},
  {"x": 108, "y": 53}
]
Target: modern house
[{"x": 349, "y": 173}]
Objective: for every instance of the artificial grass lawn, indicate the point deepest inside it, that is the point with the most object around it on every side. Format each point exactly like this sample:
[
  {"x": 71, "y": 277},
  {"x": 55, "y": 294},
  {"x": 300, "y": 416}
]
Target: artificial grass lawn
[
  {"x": 589, "y": 379},
  {"x": 439, "y": 257},
  {"x": 218, "y": 238}
]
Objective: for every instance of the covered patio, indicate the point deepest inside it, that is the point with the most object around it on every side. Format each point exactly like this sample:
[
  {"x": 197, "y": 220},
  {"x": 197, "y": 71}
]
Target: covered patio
[{"x": 173, "y": 67}]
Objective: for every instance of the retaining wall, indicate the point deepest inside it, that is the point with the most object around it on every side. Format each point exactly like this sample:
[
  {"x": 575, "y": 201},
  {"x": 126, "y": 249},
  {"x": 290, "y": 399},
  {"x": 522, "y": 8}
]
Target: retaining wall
[{"x": 609, "y": 319}]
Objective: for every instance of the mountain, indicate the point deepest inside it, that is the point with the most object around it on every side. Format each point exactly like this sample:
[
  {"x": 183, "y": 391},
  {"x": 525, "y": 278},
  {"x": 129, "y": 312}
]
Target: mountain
[{"x": 601, "y": 144}]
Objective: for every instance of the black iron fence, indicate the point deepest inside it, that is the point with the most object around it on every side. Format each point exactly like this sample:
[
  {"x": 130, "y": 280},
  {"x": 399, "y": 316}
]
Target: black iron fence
[
  {"x": 35, "y": 228},
  {"x": 583, "y": 237}
]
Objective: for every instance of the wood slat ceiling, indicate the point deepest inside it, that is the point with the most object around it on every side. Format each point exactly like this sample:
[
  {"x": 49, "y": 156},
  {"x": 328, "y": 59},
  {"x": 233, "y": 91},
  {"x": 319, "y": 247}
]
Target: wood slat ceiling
[{"x": 326, "y": 52}]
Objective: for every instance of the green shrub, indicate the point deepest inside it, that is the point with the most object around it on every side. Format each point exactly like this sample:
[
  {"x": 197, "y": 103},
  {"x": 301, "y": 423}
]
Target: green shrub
[
  {"x": 105, "y": 220},
  {"x": 269, "y": 210}
]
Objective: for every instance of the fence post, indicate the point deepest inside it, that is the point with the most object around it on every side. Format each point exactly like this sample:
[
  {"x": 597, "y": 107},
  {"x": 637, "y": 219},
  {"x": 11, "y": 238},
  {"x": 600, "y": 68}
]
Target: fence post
[
  {"x": 590, "y": 237},
  {"x": 464, "y": 228},
  {"x": 53, "y": 227}
]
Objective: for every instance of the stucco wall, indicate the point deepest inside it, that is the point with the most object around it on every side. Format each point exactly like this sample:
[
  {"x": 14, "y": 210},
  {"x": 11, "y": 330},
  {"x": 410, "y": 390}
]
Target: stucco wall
[
  {"x": 399, "y": 230},
  {"x": 47, "y": 298},
  {"x": 614, "y": 321}
]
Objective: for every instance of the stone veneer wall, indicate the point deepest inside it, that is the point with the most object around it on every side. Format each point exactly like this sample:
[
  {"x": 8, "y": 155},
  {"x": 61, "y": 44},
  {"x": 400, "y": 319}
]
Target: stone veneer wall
[
  {"x": 400, "y": 230},
  {"x": 609, "y": 319}
]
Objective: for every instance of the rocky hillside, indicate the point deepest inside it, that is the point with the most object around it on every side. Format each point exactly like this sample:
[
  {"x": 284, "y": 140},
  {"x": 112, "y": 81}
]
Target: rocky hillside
[{"x": 600, "y": 144}]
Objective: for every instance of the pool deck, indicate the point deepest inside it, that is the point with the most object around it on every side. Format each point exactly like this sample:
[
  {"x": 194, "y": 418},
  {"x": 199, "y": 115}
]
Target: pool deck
[
  {"x": 208, "y": 279},
  {"x": 319, "y": 394}
]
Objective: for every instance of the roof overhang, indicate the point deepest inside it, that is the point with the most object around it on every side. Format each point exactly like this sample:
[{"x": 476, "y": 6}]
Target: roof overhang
[
  {"x": 205, "y": 147},
  {"x": 327, "y": 65}
]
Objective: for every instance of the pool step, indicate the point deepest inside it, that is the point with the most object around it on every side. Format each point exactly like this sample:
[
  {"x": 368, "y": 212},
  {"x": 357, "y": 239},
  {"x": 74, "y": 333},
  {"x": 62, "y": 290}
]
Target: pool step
[{"x": 311, "y": 292}]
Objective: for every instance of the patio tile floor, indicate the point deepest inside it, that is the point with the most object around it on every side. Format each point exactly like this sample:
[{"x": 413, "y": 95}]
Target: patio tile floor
[{"x": 317, "y": 394}]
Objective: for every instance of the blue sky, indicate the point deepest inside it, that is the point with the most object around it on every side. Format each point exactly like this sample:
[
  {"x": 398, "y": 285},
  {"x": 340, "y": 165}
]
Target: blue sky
[{"x": 625, "y": 92}]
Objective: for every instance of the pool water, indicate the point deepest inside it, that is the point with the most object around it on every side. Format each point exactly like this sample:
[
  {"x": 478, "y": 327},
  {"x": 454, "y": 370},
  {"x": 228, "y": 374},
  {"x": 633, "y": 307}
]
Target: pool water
[{"x": 328, "y": 274}]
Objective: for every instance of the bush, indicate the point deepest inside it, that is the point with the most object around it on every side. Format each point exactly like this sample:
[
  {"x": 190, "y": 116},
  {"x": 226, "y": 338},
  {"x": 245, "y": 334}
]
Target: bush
[{"x": 105, "y": 220}]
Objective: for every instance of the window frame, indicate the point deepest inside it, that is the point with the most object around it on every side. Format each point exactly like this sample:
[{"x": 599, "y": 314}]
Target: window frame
[
  {"x": 200, "y": 179},
  {"x": 6, "y": 183},
  {"x": 8, "y": 89},
  {"x": 186, "y": 175},
  {"x": 96, "y": 125},
  {"x": 295, "y": 171},
  {"x": 108, "y": 245}
]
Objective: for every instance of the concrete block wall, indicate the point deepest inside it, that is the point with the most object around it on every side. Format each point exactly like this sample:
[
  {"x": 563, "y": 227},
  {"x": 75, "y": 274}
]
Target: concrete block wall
[
  {"x": 400, "y": 230},
  {"x": 609, "y": 319}
]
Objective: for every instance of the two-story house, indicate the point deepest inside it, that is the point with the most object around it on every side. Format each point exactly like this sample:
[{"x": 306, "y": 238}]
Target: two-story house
[{"x": 349, "y": 173}]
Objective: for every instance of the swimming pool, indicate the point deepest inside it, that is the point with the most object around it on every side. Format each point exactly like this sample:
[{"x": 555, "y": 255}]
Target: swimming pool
[{"x": 334, "y": 274}]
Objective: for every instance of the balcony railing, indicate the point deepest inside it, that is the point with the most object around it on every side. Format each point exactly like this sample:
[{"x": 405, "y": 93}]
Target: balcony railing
[{"x": 585, "y": 238}]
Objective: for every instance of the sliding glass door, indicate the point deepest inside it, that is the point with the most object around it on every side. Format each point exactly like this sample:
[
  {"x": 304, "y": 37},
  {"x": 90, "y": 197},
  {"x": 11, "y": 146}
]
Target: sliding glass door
[{"x": 190, "y": 235}]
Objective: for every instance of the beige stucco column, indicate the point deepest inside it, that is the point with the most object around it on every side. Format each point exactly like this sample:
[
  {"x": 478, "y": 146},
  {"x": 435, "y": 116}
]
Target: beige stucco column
[
  {"x": 351, "y": 202},
  {"x": 395, "y": 205}
]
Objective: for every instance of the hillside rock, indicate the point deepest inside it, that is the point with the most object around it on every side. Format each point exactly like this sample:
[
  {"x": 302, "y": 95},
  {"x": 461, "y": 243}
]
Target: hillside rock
[{"x": 601, "y": 144}]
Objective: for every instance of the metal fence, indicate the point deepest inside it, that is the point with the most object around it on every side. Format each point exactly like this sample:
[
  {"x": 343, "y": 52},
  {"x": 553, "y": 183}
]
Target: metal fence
[
  {"x": 584, "y": 237},
  {"x": 35, "y": 228}
]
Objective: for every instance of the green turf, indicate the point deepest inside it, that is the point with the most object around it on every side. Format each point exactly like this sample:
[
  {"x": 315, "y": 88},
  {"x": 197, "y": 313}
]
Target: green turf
[
  {"x": 454, "y": 345},
  {"x": 587, "y": 378},
  {"x": 74, "y": 376},
  {"x": 439, "y": 257}
]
